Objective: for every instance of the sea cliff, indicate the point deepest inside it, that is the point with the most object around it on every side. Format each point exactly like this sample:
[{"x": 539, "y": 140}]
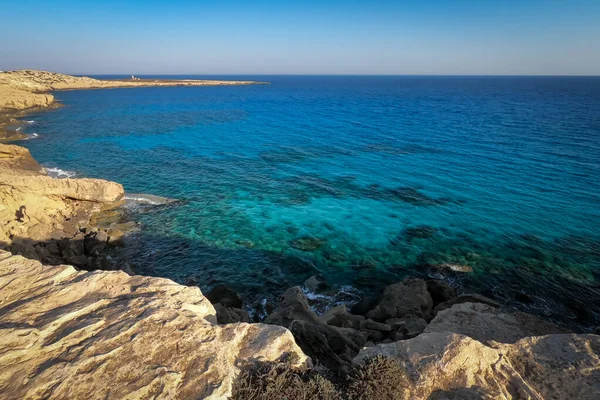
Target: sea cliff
[{"x": 70, "y": 333}]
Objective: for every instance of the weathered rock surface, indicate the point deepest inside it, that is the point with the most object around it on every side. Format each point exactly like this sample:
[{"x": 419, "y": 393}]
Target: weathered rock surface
[
  {"x": 327, "y": 344},
  {"x": 66, "y": 334},
  {"x": 466, "y": 298},
  {"x": 485, "y": 323},
  {"x": 445, "y": 365},
  {"x": 40, "y": 215},
  {"x": 409, "y": 297}
]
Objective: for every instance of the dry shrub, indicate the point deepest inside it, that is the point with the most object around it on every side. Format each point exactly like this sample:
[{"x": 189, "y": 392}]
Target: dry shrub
[
  {"x": 269, "y": 381},
  {"x": 379, "y": 378}
]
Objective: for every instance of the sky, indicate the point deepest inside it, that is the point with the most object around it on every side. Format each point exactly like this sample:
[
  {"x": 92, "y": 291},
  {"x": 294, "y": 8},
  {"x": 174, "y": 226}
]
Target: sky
[{"x": 427, "y": 37}]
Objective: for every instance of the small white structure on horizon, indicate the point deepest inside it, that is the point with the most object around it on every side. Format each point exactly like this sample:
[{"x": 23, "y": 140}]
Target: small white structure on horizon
[{"x": 133, "y": 78}]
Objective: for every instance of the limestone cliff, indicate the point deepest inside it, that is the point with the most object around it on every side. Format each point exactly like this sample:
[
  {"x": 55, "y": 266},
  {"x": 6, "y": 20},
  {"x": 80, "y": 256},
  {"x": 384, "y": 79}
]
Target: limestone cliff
[
  {"x": 445, "y": 365},
  {"x": 36, "y": 207},
  {"x": 67, "y": 334}
]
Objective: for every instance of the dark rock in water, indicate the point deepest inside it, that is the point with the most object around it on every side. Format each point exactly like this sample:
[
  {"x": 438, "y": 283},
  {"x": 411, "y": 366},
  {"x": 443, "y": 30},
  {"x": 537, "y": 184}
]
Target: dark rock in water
[
  {"x": 412, "y": 196},
  {"x": 328, "y": 344},
  {"x": 373, "y": 335},
  {"x": 293, "y": 306},
  {"x": 307, "y": 243},
  {"x": 466, "y": 298},
  {"x": 245, "y": 243},
  {"x": 369, "y": 324},
  {"x": 454, "y": 267},
  {"x": 365, "y": 305},
  {"x": 334, "y": 256},
  {"x": 316, "y": 283},
  {"x": 440, "y": 291},
  {"x": 596, "y": 331},
  {"x": 340, "y": 317},
  {"x": 410, "y": 327},
  {"x": 225, "y": 295},
  {"x": 409, "y": 297},
  {"x": 95, "y": 242},
  {"x": 316, "y": 346},
  {"x": 365, "y": 264},
  {"x": 419, "y": 232},
  {"x": 230, "y": 315},
  {"x": 191, "y": 280}
]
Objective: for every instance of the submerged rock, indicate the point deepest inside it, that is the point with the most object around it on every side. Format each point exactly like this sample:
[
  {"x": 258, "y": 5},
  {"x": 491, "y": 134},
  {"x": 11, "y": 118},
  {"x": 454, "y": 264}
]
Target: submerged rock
[
  {"x": 419, "y": 232},
  {"x": 454, "y": 267},
  {"x": 307, "y": 243}
]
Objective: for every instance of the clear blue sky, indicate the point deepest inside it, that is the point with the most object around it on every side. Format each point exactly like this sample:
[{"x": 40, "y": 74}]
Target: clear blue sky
[{"x": 302, "y": 37}]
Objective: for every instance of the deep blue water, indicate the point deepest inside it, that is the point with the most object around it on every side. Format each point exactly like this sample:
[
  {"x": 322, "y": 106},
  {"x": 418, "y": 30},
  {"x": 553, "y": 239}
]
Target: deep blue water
[{"x": 498, "y": 173}]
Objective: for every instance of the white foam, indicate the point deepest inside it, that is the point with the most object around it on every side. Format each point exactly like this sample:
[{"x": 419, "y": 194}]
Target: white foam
[
  {"x": 143, "y": 200},
  {"x": 35, "y": 134},
  {"x": 18, "y": 129},
  {"x": 30, "y": 122},
  {"x": 60, "y": 173}
]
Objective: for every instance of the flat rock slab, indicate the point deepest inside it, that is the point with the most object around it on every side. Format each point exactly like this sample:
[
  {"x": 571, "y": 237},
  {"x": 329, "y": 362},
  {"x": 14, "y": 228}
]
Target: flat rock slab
[
  {"x": 67, "y": 334},
  {"x": 445, "y": 365},
  {"x": 485, "y": 323}
]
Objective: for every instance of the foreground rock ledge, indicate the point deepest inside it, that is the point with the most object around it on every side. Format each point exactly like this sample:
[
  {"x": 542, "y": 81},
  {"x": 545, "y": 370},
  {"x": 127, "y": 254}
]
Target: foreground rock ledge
[
  {"x": 68, "y": 334},
  {"x": 444, "y": 365}
]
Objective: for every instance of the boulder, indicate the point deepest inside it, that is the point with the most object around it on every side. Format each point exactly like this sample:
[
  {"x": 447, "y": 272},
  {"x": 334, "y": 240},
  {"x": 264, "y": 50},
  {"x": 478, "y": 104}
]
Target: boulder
[
  {"x": 369, "y": 324},
  {"x": 293, "y": 306},
  {"x": 365, "y": 305},
  {"x": 440, "y": 291},
  {"x": 95, "y": 242},
  {"x": 230, "y": 315},
  {"x": 445, "y": 365},
  {"x": 339, "y": 316},
  {"x": 225, "y": 295},
  {"x": 409, "y": 297},
  {"x": 316, "y": 284},
  {"x": 316, "y": 346},
  {"x": 71, "y": 334},
  {"x": 465, "y": 298},
  {"x": 486, "y": 323}
]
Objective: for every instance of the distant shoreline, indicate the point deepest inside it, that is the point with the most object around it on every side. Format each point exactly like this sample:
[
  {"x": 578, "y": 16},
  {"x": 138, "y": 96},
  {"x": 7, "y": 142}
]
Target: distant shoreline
[{"x": 25, "y": 91}]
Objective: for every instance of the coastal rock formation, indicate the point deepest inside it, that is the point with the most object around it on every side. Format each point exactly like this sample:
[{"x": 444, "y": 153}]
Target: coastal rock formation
[
  {"x": 44, "y": 218},
  {"x": 68, "y": 334},
  {"x": 485, "y": 323},
  {"x": 445, "y": 365}
]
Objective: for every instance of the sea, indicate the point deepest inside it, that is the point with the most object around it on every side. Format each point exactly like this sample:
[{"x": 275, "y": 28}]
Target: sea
[{"x": 490, "y": 183}]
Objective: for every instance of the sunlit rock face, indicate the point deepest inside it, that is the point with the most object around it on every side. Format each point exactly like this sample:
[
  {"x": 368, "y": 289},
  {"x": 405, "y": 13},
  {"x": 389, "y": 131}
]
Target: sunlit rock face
[
  {"x": 445, "y": 365},
  {"x": 68, "y": 334}
]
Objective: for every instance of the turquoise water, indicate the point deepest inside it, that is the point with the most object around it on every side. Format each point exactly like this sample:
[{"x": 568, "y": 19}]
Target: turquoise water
[{"x": 362, "y": 179}]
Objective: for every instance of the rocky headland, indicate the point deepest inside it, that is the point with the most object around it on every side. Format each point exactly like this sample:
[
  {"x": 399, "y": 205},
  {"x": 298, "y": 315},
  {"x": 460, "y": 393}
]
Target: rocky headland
[
  {"x": 75, "y": 324},
  {"x": 28, "y": 90}
]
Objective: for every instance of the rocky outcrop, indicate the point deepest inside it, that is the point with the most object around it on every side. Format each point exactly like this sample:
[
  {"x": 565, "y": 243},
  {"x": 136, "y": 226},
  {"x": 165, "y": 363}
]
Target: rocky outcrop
[
  {"x": 444, "y": 365},
  {"x": 67, "y": 334},
  {"x": 407, "y": 298},
  {"x": 485, "y": 323},
  {"x": 49, "y": 219},
  {"x": 21, "y": 89}
]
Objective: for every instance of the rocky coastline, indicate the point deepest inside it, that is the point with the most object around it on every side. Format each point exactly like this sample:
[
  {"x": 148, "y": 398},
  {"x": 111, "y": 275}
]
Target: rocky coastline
[{"x": 77, "y": 323}]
